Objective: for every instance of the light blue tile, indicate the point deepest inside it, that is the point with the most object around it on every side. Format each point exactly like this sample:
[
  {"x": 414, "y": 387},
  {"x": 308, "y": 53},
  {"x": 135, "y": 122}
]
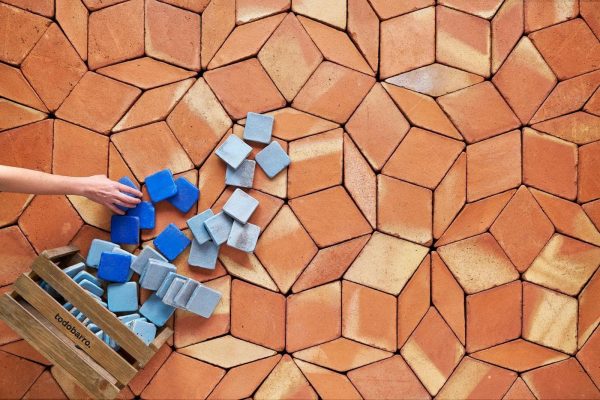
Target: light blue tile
[
  {"x": 148, "y": 253},
  {"x": 196, "y": 225},
  {"x": 272, "y": 159},
  {"x": 233, "y": 151},
  {"x": 74, "y": 269},
  {"x": 155, "y": 273},
  {"x": 129, "y": 317},
  {"x": 185, "y": 293},
  {"x": 164, "y": 286},
  {"x": 156, "y": 311},
  {"x": 203, "y": 301},
  {"x": 86, "y": 275},
  {"x": 218, "y": 227},
  {"x": 144, "y": 330},
  {"x": 240, "y": 206},
  {"x": 122, "y": 297},
  {"x": 243, "y": 237},
  {"x": 204, "y": 255},
  {"x": 243, "y": 176},
  {"x": 258, "y": 128},
  {"x": 174, "y": 288},
  {"x": 96, "y": 249},
  {"x": 91, "y": 287}
]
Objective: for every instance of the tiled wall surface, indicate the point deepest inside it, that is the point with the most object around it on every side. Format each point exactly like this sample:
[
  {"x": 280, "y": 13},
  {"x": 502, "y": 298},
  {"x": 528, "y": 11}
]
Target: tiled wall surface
[{"x": 435, "y": 236}]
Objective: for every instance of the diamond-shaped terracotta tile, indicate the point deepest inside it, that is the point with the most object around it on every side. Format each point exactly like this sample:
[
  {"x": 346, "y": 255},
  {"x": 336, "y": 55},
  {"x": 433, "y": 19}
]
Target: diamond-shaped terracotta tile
[
  {"x": 249, "y": 10},
  {"x": 72, "y": 16},
  {"x": 17, "y": 375},
  {"x": 450, "y": 196},
  {"x": 327, "y": 383},
  {"x": 507, "y": 28},
  {"x": 578, "y": 127},
  {"x": 360, "y": 181},
  {"x": 363, "y": 28},
  {"x": 145, "y": 72},
  {"x": 45, "y": 387},
  {"x": 218, "y": 20},
  {"x": 285, "y": 381},
  {"x": 42, "y": 7},
  {"x": 588, "y": 356},
  {"x": 13, "y": 115},
  {"x": 22, "y": 30},
  {"x": 519, "y": 355},
  {"x": 484, "y": 9},
  {"x": 589, "y": 163},
  {"x": 448, "y": 297},
  {"x": 240, "y": 382},
  {"x": 226, "y": 351},
  {"x": 331, "y": 13},
  {"x": 14, "y": 86},
  {"x": 17, "y": 252},
  {"x": 78, "y": 151},
  {"x": 561, "y": 380},
  {"x": 291, "y": 124},
  {"x": 414, "y": 300},
  {"x": 246, "y": 266},
  {"x": 519, "y": 391},
  {"x": 589, "y": 315}
]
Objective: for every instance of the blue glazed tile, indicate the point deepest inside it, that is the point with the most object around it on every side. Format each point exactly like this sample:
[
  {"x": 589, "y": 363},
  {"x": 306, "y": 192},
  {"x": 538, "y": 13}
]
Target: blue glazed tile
[
  {"x": 233, "y": 151},
  {"x": 122, "y": 297},
  {"x": 166, "y": 283},
  {"x": 114, "y": 267},
  {"x": 184, "y": 294},
  {"x": 204, "y": 255},
  {"x": 156, "y": 311},
  {"x": 147, "y": 254},
  {"x": 124, "y": 229},
  {"x": 161, "y": 185},
  {"x": 144, "y": 330},
  {"x": 86, "y": 275},
  {"x": 173, "y": 289},
  {"x": 196, "y": 225},
  {"x": 127, "y": 182},
  {"x": 243, "y": 176},
  {"x": 203, "y": 301},
  {"x": 171, "y": 242},
  {"x": 74, "y": 269},
  {"x": 131, "y": 257},
  {"x": 146, "y": 213},
  {"x": 98, "y": 247},
  {"x": 272, "y": 159},
  {"x": 129, "y": 317},
  {"x": 243, "y": 237},
  {"x": 187, "y": 195},
  {"x": 155, "y": 273},
  {"x": 94, "y": 328},
  {"x": 258, "y": 128},
  {"x": 240, "y": 206},
  {"x": 218, "y": 227},
  {"x": 91, "y": 287}
]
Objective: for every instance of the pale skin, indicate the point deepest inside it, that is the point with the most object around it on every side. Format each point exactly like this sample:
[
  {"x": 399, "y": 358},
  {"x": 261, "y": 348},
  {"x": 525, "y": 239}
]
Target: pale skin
[{"x": 97, "y": 188}]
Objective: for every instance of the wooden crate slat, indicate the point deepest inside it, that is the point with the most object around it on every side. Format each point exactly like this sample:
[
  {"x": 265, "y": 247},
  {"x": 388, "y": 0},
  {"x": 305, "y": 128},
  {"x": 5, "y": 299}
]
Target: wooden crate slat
[
  {"x": 161, "y": 338},
  {"x": 60, "y": 252},
  {"x": 110, "y": 360},
  {"x": 26, "y": 321}
]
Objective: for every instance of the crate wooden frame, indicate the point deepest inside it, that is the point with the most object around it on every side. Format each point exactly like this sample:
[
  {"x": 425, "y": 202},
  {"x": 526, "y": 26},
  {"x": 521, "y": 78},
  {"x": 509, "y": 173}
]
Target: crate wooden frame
[{"x": 40, "y": 319}]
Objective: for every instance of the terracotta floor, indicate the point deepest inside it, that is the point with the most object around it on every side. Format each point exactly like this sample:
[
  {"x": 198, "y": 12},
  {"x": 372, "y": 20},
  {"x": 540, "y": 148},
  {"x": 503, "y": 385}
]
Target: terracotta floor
[{"x": 435, "y": 236}]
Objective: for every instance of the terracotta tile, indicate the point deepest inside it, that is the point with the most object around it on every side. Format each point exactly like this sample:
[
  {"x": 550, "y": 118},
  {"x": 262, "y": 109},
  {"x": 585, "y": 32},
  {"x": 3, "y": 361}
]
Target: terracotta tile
[
  {"x": 99, "y": 4},
  {"x": 14, "y": 86},
  {"x": 494, "y": 267},
  {"x": 329, "y": 264},
  {"x": 218, "y": 20},
  {"x": 435, "y": 79},
  {"x": 13, "y": 115},
  {"x": 549, "y": 164},
  {"x": 314, "y": 316},
  {"x": 568, "y": 96},
  {"x": 45, "y": 387},
  {"x": 316, "y": 163},
  {"x": 172, "y": 34},
  {"x": 18, "y": 254},
  {"x": 519, "y": 391},
  {"x": 28, "y": 146},
  {"x": 589, "y": 314},
  {"x": 268, "y": 207},
  {"x": 507, "y": 28},
  {"x": 447, "y": 296},
  {"x": 72, "y": 16},
  {"x": 414, "y": 301},
  {"x": 342, "y": 355},
  {"x": 423, "y": 158},
  {"x": 67, "y": 383},
  {"x": 226, "y": 351},
  {"x": 197, "y": 6},
  {"x": 450, "y": 196},
  {"x": 257, "y": 315},
  {"x": 291, "y": 124},
  {"x": 422, "y": 111},
  {"x": 565, "y": 379},
  {"x": 589, "y": 163},
  {"x": 245, "y": 41},
  {"x": 290, "y": 57},
  {"x": 412, "y": 35},
  {"x": 390, "y": 8},
  {"x": 332, "y": 13},
  {"x": 592, "y": 209},
  {"x": 246, "y": 266},
  {"x": 335, "y": 45},
  {"x": 463, "y": 41},
  {"x": 360, "y": 181},
  {"x": 141, "y": 380},
  {"x": 377, "y": 113},
  {"x": 538, "y": 17},
  {"x": 116, "y": 34},
  {"x": 83, "y": 238},
  {"x": 199, "y": 121},
  {"x": 244, "y": 87},
  {"x": 161, "y": 150},
  {"x": 249, "y": 10},
  {"x": 363, "y": 28},
  {"x": 78, "y": 151},
  {"x": 579, "y": 127},
  {"x": 333, "y": 92},
  {"x": 13, "y": 205},
  {"x": 145, "y": 73},
  {"x": 328, "y": 384},
  {"x": 240, "y": 382},
  {"x": 172, "y": 379},
  {"x": 386, "y": 263},
  {"x": 432, "y": 351},
  {"x": 400, "y": 381},
  {"x": 588, "y": 357},
  {"x": 43, "y": 7},
  {"x": 519, "y": 355},
  {"x": 469, "y": 110},
  {"x": 117, "y": 168},
  {"x": 474, "y": 379},
  {"x": 285, "y": 381},
  {"x": 330, "y": 216},
  {"x": 525, "y": 80},
  {"x": 404, "y": 210},
  {"x": 593, "y": 105},
  {"x": 590, "y": 15},
  {"x": 549, "y": 318},
  {"x": 21, "y": 31},
  {"x": 17, "y": 375},
  {"x": 569, "y": 48},
  {"x": 484, "y": 9}
]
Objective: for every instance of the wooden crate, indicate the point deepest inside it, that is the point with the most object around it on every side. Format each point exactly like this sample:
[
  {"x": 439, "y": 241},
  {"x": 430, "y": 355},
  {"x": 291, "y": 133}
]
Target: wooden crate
[{"x": 41, "y": 320}]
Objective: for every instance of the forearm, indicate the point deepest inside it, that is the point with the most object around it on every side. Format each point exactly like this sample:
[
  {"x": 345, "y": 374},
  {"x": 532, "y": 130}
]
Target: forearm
[{"x": 20, "y": 180}]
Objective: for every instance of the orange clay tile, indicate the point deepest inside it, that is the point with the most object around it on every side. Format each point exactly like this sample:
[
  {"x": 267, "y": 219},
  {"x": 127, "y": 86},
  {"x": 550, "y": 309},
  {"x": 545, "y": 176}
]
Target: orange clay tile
[
  {"x": 14, "y": 86},
  {"x": 494, "y": 267},
  {"x": 78, "y": 151},
  {"x": 246, "y": 266},
  {"x": 519, "y": 391},
  {"x": 413, "y": 36},
  {"x": 328, "y": 384},
  {"x": 537, "y": 16},
  {"x": 329, "y": 264},
  {"x": 330, "y": 216},
  {"x": 13, "y": 115},
  {"x": 331, "y": 13},
  {"x": 172, "y": 34},
  {"x": 549, "y": 164},
  {"x": 450, "y": 196},
  {"x": 524, "y": 80},
  {"x": 314, "y": 316},
  {"x": 13, "y": 205},
  {"x": 363, "y": 28},
  {"x": 484, "y": 9},
  {"x": 377, "y": 113},
  {"x": 579, "y": 48},
  {"x": 285, "y": 381},
  {"x": 592, "y": 209},
  {"x": 507, "y": 28},
  {"x": 469, "y": 110},
  {"x": 432, "y": 351},
  {"x": 93, "y": 5},
  {"x": 45, "y": 387},
  {"x": 589, "y": 315},
  {"x": 386, "y": 263},
  {"x": 72, "y": 16},
  {"x": 423, "y": 158},
  {"x": 342, "y": 355},
  {"x": 116, "y": 34},
  {"x": 226, "y": 351},
  {"x": 285, "y": 248},
  {"x": 67, "y": 383},
  {"x": 218, "y": 20},
  {"x": 117, "y": 168},
  {"x": 91, "y": 212},
  {"x": 145, "y": 72},
  {"x": 522, "y": 229},
  {"x": 42, "y": 7},
  {"x": 549, "y": 318},
  {"x": 519, "y": 355},
  {"x": 17, "y": 252},
  {"x": 291, "y": 124},
  {"x": 566, "y": 379},
  {"x": 400, "y": 380},
  {"x": 578, "y": 127},
  {"x": 360, "y": 180},
  {"x": 244, "y": 87},
  {"x": 474, "y": 379},
  {"x": 463, "y": 41},
  {"x": 249, "y": 10},
  {"x": 316, "y": 163},
  {"x": 368, "y": 316},
  {"x": 404, "y": 210},
  {"x": 162, "y": 150},
  {"x": 28, "y": 146},
  {"x": 447, "y": 296},
  {"x": 25, "y": 30},
  {"x": 83, "y": 238},
  {"x": 588, "y": 357},
  {"x": 139, "y": 382},
  {"x": 192, "y": 5},
  {"x": 590, "y": 15},
  {"x": 17, "y": 375},
  {"x": 257, "y": 315},
  {"x": 588, "y": 167},
  {"x": 414, "y": 301},
  {"x": 485, "y": 328},
  {"x": 333, "y": 92},
  {"x": 172, "y": 379},
  {"x": 389, "y": 8},
  {"x": 240, "y": 382}
]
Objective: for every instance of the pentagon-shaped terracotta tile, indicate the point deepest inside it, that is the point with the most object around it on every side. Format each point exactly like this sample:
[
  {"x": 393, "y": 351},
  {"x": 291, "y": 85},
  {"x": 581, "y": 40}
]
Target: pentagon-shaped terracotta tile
[
  {"x": 17, "y": 252},
  {"x": 17, "y": 375},
  {"x": 45, "y": 387},
  {"x": 519, "y": 391},
  {"x": 285, "y": 381},
  {"x": 589, "y": 315},
  {"x": 13, "y": 115},
  {"x": 578, "y": 127},
  {"x": 42, "y": 7},
  {"x": 83, "y": 238},
  {"x": 246, "y": 266},
  {"x": 588, "y": 357},
  {"x": 360, "y": 181},
  {"x": 484, "y": 9},
  {"x": 589, "y": 163},
  {"x": 450, "y": 196},
  {"x": 78, "y": 151},
  {"x": 538, "y": 17},
  {"x": 72, "y": 16},
  {"x": 390, "y": 8},
  {"x": 192, "y": 5}
]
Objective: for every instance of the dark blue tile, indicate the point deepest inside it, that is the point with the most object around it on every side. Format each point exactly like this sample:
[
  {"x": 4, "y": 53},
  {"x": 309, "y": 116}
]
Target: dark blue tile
[
  {"x": 114, "y": 267},
  {"x": 125, "y": 229},
  {"x": 187, "y": 195},
  {"x": 146, "y": 213},
  {"x": 161, "y": 185},
  {"x": 127, "y": 182},
  {"x": 171, "y": 242}
]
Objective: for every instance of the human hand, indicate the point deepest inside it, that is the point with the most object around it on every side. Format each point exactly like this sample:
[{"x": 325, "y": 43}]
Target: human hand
[{"x": 110, "y": 193}]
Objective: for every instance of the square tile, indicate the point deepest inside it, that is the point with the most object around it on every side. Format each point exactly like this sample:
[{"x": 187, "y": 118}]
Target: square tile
[
  {"x": 155, "y": 273},
  {"x": 156, "y": 311},
  {"x": 161, "y": 185},
  {"x": 203, "y": 301},
  {"x": 145, "y": 212},
  {"x": 258, "y": 128},
  {"x": 233, "y": 151},
  {"x": 122, "y": 297},
  {"x": 125, "y": 229},
  {"x": 187, "y": 195},
  {"x": 243, "y": 176},
  {"x": 243, "y": 237},
  {"x": 218, "y": 227},
  {"x": 196, "y": 225},
  {"x": 114, "y": 267},
  {"x": 240, "y": 206},
  {"x": 98, "y": 247},
  {"x": 272, "y": 159},
  {"x": 171, "y": 242},
  {"x": 147, "y": 254},
  {"x": 204, "y": 255}
]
